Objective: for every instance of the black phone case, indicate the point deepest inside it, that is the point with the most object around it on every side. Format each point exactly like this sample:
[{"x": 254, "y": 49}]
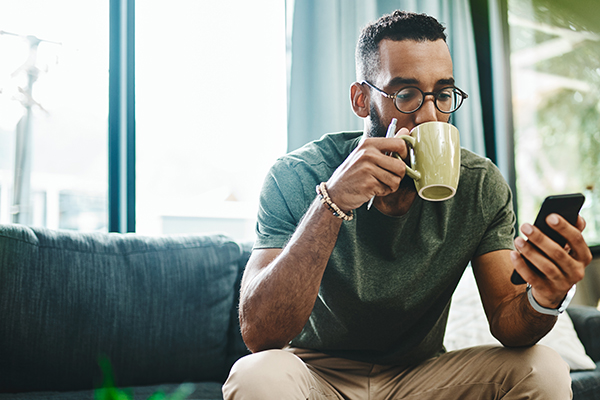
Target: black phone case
[{"x": 568, "y": 206}]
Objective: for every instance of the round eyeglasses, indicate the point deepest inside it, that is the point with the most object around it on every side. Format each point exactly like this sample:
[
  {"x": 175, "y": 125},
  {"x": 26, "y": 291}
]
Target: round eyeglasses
[{"x": 409, "y": 99}]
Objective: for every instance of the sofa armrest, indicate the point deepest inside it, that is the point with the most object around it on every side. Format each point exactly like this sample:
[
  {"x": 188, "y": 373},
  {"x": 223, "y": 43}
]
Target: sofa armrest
[
  {"x": 586, "y": 320},
  {"x": 236, "y": 347}
]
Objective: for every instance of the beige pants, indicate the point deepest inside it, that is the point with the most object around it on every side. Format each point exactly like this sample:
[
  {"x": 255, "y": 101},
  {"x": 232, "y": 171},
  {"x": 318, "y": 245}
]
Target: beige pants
[{"x": 485, "y": 372}]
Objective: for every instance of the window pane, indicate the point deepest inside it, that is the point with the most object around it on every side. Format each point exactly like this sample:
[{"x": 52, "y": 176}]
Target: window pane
[
  {"x": 53, "y": 123},
  {"x": 555, "y": 60},
  {"x": 210, "y": 112}
]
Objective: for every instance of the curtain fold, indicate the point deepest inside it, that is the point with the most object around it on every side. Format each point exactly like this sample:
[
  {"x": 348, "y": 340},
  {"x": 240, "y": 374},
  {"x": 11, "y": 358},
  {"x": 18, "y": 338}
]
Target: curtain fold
[{"x": 322, "y": 45}]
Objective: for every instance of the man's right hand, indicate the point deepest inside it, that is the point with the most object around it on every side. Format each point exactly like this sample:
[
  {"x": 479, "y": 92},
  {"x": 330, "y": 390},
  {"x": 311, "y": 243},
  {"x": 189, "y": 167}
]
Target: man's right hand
[{"x": 369, "y": 172}]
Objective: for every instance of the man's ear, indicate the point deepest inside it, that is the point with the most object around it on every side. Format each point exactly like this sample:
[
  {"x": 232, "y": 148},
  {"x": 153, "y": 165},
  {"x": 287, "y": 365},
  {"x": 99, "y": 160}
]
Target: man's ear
[{"x": 359, "y": 96}]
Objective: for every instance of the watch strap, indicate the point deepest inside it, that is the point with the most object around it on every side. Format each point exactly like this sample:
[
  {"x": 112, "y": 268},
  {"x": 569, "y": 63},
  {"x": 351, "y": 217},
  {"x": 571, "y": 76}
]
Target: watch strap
[{"x": 551, "y": 311}]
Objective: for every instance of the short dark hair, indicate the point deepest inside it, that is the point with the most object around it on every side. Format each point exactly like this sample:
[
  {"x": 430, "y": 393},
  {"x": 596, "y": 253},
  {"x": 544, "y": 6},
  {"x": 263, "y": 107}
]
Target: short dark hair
[{"x": 399, "y": 25}]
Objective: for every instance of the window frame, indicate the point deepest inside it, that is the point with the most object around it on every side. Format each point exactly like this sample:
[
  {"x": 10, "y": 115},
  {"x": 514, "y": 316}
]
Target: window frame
[{"x": 121, "y": 118}]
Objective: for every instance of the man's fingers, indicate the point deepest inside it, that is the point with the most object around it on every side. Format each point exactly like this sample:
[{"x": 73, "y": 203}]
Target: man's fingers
[
  {"x": 387, "y": 146},
  {"x": 528, "y": 274},
  {"x": 402, "y": 132},
  {"x": 542, "y": 263},
  {"x": 580, "y": 223},
  {"x": 577, "y": 246},
  {"x": 560, "y": 267}
]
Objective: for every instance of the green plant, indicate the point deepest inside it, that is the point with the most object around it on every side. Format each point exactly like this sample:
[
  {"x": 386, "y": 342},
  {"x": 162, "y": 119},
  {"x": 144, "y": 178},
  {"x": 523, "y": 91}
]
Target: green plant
[{"x": 108, "y": 391}]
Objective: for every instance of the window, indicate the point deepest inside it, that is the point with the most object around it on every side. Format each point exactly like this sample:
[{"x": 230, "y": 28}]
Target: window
[
  {"x": 555, "y": 62},
  {"x": 210, "y": 112},
  {"x": 53, "y": 124}
]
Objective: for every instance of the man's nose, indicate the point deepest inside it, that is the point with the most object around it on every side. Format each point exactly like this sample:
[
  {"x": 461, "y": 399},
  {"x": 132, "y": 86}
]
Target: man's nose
[{"x": 427, "y": 112}]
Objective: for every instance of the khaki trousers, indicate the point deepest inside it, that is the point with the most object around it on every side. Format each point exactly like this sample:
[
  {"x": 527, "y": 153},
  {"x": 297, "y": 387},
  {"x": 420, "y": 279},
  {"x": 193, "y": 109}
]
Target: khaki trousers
[{"x": 484, "y": 372}]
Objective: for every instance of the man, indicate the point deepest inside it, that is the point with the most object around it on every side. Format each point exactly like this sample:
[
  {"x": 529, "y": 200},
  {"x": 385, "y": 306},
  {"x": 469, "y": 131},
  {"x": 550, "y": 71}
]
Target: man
[{"x": 342, "y": 302}]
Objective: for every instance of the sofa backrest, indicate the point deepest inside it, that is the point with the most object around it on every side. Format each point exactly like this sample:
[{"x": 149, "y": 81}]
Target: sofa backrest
[{"x": 162, "y": 309}]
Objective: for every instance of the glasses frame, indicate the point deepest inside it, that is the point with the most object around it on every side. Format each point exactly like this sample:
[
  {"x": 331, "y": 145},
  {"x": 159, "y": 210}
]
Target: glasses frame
[{"x": 435, "y": 95}]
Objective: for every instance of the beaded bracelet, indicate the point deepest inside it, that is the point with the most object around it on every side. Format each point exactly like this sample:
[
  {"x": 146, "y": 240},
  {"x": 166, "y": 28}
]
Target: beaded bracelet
[{"x": 326, "y": 201}]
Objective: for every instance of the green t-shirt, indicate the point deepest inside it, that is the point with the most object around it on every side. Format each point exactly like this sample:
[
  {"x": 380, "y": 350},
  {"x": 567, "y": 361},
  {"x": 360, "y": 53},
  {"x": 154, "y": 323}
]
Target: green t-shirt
[{"x": 386, "y": 291}]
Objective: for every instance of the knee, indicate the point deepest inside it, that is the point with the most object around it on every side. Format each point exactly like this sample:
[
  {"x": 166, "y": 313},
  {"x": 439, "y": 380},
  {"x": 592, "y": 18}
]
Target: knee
[
  {"x": 265, "y": 375},
  {"x": 541, "y": 370},
  {"x": 267, "y": 365}
]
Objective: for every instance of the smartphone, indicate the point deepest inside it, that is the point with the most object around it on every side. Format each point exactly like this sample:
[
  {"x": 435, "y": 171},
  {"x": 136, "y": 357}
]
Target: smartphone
[{"x": 568, "y": 206}]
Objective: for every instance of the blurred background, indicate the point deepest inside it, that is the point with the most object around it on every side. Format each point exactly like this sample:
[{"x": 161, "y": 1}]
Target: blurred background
[
  {"x": 218, "y": 90},
  {"x": 210, "y": 112}
]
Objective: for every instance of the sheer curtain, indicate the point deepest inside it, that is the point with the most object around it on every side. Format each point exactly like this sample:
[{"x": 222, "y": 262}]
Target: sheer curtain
[{"x": 323, "y": 35}]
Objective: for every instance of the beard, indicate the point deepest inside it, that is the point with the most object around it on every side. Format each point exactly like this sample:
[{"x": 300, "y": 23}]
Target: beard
[{"x": 377, "y": 129}]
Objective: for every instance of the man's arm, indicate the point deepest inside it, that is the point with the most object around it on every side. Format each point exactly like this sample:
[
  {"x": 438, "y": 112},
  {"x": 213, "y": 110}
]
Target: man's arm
[
  {"x": 280, "y": 286},
  {"x": 512, "y": 319}
]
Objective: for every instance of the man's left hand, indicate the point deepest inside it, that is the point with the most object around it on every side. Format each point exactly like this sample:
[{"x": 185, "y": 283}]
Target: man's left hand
[{"x": 561, "y": 267}]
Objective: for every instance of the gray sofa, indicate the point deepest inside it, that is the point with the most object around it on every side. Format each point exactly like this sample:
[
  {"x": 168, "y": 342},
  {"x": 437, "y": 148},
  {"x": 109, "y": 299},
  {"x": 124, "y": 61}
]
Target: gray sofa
[{"x": 163, "y": 310}]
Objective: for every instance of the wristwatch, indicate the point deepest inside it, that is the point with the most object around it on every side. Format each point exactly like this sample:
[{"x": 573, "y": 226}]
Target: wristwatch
[{"x": 551, "y": 311}]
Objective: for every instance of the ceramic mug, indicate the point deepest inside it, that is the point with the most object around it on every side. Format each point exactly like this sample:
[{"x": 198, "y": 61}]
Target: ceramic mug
[{"x": 435, "y": 160}]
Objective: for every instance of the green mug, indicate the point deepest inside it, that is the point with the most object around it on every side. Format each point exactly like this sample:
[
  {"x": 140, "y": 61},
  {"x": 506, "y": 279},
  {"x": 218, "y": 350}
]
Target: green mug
[{"x": 435, "y": 160}]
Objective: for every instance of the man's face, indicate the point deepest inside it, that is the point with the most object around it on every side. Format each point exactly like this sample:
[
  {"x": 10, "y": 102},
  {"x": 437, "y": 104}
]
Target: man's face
[{"x": 426, "y": 65}]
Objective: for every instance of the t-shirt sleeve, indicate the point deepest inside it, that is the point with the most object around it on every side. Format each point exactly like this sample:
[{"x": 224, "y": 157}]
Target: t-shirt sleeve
[
  {"x": 281, "y": 206},
  {"x": 498, "y": 214}
]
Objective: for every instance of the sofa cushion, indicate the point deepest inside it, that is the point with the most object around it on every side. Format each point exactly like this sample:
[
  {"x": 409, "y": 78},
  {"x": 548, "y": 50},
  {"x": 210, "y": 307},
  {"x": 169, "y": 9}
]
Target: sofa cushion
[
  {"x": 587, "y": 321},
  {"x": 158, "y": 307},
  {"x": 586, "y": 384}
]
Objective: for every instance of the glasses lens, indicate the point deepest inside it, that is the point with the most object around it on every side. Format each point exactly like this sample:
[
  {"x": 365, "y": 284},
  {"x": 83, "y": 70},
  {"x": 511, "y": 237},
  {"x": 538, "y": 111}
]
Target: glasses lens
[
  {"x": 409, "y": 99},
  {"x": 448, "y": 100}
]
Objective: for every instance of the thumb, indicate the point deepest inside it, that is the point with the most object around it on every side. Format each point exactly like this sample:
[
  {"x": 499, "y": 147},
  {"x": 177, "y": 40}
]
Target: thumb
[{"x": 402, "y": 132}]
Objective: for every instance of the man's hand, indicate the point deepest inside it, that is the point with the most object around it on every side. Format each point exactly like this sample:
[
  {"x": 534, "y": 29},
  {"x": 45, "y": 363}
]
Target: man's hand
[
  {"x": 369, "y": 172},
  {"x": 561, "y": 267},
  {"x": 512, "y": 319}
]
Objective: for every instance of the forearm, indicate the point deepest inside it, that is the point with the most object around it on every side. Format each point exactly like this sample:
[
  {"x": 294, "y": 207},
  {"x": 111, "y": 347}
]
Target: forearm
[
  {"x": 517, "y": 324},
  {"x": 277, "y": 301}
]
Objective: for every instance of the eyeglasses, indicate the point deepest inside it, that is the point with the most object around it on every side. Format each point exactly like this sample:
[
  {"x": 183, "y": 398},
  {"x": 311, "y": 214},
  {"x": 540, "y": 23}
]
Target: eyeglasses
[{"x": 409, "y": 99}]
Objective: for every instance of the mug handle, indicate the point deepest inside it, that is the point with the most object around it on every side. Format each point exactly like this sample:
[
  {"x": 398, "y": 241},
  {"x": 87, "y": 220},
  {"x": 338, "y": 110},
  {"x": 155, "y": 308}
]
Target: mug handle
[{"x": 416, "y": 175}]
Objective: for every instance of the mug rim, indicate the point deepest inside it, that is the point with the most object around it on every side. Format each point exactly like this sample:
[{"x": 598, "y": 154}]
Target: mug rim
[{"x": 433, "y": 122}]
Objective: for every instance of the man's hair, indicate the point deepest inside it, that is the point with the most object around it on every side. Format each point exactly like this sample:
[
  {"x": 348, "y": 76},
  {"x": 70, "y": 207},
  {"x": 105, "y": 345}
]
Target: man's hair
[{"x": 399, "y": 25}]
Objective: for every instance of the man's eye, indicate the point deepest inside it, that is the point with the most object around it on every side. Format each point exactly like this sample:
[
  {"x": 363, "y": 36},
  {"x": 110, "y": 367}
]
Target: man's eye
[
  {"x": 407, "y": 95},
  {"x": 445, "y": 95}
]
